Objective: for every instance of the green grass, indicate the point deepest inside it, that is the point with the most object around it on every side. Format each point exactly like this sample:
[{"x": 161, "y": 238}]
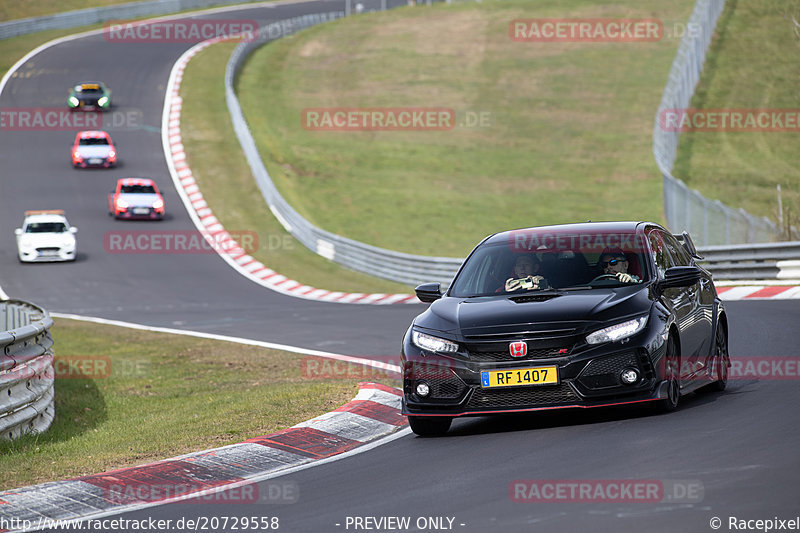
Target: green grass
[
  {"x": 165, "y": 395},
  {"x": 752, "y": 64},
  {"x": 10, "y": 10},
  {"x": 570, "y": 134},
  {"x": 218, "y": 165}
]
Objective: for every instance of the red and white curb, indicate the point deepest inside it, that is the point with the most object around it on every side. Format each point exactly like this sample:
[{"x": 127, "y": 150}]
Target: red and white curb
[
  {"x": 758, "y": 292},
  {"x": 207, "y": 223},
  {"x": 199, "y": 477}
]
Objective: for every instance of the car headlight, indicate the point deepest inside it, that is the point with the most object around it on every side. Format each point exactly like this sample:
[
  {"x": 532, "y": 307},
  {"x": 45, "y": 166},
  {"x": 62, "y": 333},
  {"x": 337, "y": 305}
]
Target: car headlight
[
  {"x": 617, "y": 332},
  {"x": 433, "y": 344},
  {"x": 73, "y": 100},
  {"x": 122, "y": 204},
  {"x": 158, "y": 204},
  {"x": 102, "y": 101}
]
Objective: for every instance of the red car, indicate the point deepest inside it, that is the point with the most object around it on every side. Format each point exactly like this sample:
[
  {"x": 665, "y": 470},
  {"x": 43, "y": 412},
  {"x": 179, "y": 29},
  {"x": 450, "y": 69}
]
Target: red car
[
  {"x": 136, "y": 198},
  {"x": 93, "y": 149}
]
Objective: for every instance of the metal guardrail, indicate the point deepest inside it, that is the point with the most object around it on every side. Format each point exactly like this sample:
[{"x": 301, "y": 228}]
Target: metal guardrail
[
  {"x": 708, "y": 221},
  {"x": 753, "y": 261},
  {"x": 388, "y": 264},
  {"x": 86, "y": 17},
  {"x": 26, "y": 369}
]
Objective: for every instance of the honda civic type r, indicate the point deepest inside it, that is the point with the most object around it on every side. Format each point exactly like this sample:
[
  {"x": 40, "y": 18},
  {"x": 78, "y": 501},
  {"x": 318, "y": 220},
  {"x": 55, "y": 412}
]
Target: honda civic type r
[{"x": 605, "y": 314}]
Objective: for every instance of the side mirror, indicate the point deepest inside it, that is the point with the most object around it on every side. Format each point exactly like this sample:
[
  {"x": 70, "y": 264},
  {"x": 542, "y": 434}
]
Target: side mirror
[
  {"x": 428, "y": 292},
  {"x": 18, "y": 231},
  {"x": 681, "y": 276},
  {"x": 73, "y": 230}
]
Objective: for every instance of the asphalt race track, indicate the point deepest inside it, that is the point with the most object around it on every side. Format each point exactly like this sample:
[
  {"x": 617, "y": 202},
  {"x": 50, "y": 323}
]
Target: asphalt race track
[
  {"x": 189, "y": 291},
  {"x": 737, "y": 451}
]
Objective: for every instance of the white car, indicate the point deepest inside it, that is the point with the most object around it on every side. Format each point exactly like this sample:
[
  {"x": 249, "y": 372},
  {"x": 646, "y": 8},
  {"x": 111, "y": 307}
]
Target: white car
[{"x": 45, "y": 236}]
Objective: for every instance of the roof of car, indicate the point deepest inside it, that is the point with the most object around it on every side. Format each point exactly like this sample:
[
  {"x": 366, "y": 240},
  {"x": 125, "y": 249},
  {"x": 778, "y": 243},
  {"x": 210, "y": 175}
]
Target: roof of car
[
  {"x": 581, "y": 227},
  {"x": 135, "y": 181},
  {"x": 48, "y": 215},
  {"x": 93, "y": 134}
]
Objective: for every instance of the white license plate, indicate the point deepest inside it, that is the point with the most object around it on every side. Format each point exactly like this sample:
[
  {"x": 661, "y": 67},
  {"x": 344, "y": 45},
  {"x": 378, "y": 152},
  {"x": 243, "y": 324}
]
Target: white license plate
[
  {"x": 141, "y": 211},
  {"x": 95, "y": 161}
]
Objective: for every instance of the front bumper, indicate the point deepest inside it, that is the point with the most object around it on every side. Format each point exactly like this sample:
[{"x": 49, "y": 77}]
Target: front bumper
[
  {"x": 46, "y": 255},
  {"x": 588, "y": 377},
  {"x": 97, "y": 162},
  {"x": 140, "y": 213}
]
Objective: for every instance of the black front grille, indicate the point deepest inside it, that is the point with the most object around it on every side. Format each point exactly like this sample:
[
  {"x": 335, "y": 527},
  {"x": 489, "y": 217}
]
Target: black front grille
[
  {"x": 522, "y": 397},
  {"x": 48, "y": 249},
  {"x": 505, "y": 355}
]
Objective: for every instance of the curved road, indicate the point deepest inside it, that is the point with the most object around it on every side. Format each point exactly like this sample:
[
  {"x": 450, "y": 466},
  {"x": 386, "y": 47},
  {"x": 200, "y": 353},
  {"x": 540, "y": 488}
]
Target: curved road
[
  {"x": 740, "y": 447},
  {"x": 197, "y": 292}
]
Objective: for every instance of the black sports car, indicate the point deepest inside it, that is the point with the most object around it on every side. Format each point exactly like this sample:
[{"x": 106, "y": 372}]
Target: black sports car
[
  {"x": 577, "y": 315},
  {"x": 91, "y": 95}
]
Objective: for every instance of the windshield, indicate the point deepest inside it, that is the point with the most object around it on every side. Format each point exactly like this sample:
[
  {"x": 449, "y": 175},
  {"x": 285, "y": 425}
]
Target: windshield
[
  {"x": 138, "y": 189},
  {"x": 46, "y": 227},
  {"x": 93, "y": 141},
  {"x": 539, "y": 261}
]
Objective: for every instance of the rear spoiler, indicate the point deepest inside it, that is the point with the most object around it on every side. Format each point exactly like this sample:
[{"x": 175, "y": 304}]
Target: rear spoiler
[{"x": 686, "y": 241}]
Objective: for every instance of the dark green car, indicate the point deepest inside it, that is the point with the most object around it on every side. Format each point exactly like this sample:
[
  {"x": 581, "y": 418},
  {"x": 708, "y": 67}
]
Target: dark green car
[{"x": 90, "y": 95}]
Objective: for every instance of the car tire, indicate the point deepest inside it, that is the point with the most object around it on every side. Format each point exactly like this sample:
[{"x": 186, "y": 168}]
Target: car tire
[
  {"x": 721, "y": 361},
  {"x": 429, "y": 426},
  {"x": 672, "y": 376}
]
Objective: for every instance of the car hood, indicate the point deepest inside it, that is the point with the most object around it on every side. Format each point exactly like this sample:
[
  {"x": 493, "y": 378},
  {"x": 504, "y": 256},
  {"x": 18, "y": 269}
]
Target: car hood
[
  {"x": 94, "y": 151},
  {"x": 45, "y": 240},
  {"x": 140, "y": 200},
  {"x": 481, "y": 315}
]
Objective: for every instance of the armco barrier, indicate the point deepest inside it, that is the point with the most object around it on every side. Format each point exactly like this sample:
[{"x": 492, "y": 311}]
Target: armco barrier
[
  {"x": 26, "y": 369},
  {"x": 753, "y": 261}
]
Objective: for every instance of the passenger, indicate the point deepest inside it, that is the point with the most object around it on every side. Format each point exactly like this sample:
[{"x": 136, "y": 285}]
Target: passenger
[
  {"x": 525, "y": 275},
  {"x": 614, "y": 261}
]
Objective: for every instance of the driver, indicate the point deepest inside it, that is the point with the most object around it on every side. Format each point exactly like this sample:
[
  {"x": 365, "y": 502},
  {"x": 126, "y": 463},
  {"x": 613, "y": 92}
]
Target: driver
[
  {"x": 525, "y": 275},
  {"x": 614, "y": 262}
]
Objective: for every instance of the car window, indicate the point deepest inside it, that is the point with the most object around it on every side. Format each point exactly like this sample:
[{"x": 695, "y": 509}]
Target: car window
[
  {"x": 46, "y": 227},
  {"x": 661, "y": 256},
  {"x": 568, "y": 260},
  {"x": 93, "y": 142},
  {"x": 138, "y": 189}
]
